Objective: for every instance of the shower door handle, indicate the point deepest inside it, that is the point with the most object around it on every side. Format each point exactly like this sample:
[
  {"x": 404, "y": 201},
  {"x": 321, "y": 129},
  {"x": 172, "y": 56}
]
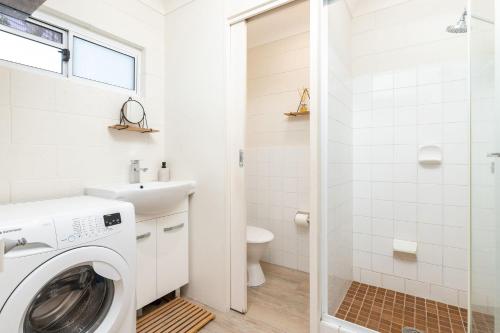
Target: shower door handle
[
  {"x": 241, "y": 158},
  {"x": 492, "y": 164}
]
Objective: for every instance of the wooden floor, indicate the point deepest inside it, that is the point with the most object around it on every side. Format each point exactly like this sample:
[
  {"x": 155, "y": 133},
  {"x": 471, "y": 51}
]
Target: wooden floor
[{"x": 281, "y": 305}]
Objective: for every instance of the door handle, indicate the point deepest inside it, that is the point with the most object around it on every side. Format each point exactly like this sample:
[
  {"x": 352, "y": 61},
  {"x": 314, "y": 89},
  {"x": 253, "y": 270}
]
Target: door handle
[
  {"x": 146, "y": 235},
  {"x": 241, "y": 158},
  {"x": 173, "y": 228},
  {"x": 493, "y": 155}
]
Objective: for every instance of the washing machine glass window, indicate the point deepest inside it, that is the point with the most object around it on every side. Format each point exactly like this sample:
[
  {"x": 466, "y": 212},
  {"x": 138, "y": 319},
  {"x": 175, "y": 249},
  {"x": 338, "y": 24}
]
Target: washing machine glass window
[{"x": 77, "y": 300}]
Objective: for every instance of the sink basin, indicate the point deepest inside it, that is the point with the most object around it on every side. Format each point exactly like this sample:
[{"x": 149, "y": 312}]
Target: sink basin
[{"x": 150, "y": 198}]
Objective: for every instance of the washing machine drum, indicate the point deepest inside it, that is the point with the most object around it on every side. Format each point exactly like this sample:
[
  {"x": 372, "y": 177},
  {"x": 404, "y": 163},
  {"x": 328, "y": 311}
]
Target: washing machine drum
[
  {"x": 76, "y": 300},
  {"x": 84, "y": 290}
]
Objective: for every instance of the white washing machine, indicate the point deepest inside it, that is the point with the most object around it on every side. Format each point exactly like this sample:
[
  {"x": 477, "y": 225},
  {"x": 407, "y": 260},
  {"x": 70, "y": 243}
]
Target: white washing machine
[{"x": 67, "y": 265}]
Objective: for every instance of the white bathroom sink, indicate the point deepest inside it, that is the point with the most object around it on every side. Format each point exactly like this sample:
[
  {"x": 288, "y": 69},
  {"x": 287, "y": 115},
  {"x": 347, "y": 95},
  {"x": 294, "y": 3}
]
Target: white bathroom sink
[{"x": 150, "y": 198}]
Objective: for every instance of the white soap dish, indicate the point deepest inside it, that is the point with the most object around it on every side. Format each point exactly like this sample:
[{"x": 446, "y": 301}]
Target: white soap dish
[
  {"x": 406, "y": 247},
  {"x": 430, "y": 154}
]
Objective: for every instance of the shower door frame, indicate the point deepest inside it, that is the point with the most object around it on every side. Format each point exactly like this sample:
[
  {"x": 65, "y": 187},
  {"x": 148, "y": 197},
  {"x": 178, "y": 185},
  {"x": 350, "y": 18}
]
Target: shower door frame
[
  {"x": 319, "y": 251},
  {"x": 495, "y": 148},
  {"x": 319, "y": 79}
]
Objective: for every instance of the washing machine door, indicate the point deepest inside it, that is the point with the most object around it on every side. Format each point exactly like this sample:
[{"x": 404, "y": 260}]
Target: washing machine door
[{"x": 83, "y": 290}]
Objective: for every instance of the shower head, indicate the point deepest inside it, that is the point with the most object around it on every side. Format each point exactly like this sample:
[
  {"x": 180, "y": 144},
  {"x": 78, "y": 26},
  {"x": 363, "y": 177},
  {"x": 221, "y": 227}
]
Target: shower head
[{"x": 460, "y": 27}]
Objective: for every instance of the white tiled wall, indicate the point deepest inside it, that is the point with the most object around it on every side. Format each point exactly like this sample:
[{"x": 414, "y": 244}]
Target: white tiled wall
[
  {"x": 277, "y": 72},
  {"x": 277, "y": 187},
  {"x": 410, "y": 90},
  {"x": 277, "y": 153},
  {"x": 54, "y": 138}
]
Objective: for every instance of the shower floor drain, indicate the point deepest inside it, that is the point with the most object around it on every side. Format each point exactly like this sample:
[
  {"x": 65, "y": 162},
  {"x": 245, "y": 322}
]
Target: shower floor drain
[{"x": 410, "y": 330}]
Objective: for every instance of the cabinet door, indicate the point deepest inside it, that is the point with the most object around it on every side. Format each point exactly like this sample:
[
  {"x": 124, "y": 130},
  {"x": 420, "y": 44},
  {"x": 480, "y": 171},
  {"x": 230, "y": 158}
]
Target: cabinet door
[
  {"x": 172, "y": 253},
  {"x": 146, "y": 263}
]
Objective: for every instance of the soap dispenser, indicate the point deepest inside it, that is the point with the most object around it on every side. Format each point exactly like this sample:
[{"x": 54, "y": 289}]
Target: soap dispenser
[{"x": 164, "y": 173}]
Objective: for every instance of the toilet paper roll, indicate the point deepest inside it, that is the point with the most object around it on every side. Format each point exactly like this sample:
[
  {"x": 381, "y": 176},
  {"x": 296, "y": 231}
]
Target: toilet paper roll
[{"x": 301, "y": 219}]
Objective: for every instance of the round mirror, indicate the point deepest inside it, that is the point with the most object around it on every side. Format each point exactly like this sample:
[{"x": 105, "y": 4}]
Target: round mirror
[{"x": 133, "y": 111}]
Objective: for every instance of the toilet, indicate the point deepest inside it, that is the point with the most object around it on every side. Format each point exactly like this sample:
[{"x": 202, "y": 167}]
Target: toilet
[{"x": 257, "y": 242}]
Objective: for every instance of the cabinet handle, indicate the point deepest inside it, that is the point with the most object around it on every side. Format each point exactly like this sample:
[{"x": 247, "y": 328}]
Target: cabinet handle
[
  {"x": 146, "y": 235},
  {"x": 173, "y": 228}
]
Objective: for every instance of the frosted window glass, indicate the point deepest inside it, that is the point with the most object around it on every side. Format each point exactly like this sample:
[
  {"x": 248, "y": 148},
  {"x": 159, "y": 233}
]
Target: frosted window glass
[
  {"x": 30, "y": 53},
  {"x": 98, "y": 63}
]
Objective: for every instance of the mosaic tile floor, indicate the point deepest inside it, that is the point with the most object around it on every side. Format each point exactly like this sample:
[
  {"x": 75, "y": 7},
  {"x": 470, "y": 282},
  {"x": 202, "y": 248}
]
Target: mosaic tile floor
[
  {"x": 386, "y": 310},
  {"x": 482, "y": 323}
]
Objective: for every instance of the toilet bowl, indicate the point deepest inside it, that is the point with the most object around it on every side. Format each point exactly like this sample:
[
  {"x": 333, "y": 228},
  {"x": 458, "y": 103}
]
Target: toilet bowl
[{"x": 257, "y": 242}]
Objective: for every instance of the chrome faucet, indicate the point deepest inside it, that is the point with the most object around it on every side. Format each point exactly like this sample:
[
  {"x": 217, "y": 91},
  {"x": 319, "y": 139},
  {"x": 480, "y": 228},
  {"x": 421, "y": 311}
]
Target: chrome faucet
[{"x": 135, "y": 172}]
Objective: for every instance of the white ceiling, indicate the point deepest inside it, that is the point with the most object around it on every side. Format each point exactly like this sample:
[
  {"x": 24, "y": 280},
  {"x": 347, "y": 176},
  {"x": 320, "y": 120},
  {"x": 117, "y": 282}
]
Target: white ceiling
[
  {"x": 280, "y": 23},
  {"x": 171, "y": 5}
]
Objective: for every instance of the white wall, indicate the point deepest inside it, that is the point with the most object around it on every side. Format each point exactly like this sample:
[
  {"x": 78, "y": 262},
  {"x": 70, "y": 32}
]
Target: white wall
[
  {"x": 54, "y": 137},
  {"x": 277, "y": 73},
  {"x": 409, "y": 91},
  {"x": 195, "y": 142},
  {"x": 340, "y": 151},
  {"x": 277, "y": 181}
]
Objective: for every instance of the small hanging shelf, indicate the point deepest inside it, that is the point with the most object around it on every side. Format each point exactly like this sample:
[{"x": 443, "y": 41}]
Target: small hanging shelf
[
  {"x": 295, "y": 114},
  {"x": 132, "y": 112},
  {"x": 303, "y": 108},
  {"x": 133, "y": 129}
]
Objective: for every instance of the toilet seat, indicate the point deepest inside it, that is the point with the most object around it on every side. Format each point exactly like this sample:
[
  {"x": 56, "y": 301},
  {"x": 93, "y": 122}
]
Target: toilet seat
[{"x": 257, "y": 235}]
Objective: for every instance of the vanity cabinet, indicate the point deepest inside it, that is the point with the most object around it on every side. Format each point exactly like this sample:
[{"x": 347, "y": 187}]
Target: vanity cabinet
[
  {"x": 162, "y": 256},
  {"x": 172, "y": 265},
  {"x": 146, "y": 262}
]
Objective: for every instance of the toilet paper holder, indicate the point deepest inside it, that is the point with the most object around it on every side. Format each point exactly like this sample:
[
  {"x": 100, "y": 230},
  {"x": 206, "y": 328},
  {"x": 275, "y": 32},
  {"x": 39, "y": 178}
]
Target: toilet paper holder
[{"x": 300, "y": 212}]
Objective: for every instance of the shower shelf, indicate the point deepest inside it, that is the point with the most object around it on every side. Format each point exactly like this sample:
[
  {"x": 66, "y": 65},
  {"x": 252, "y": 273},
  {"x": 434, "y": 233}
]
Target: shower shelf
[
  {"x": 295, "y": 114},
  {"x": 430, "y": 155}
]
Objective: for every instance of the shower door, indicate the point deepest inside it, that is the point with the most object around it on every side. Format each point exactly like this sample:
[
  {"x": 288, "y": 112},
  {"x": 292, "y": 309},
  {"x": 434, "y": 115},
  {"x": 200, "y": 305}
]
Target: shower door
[{"x": 485, "y": 168}]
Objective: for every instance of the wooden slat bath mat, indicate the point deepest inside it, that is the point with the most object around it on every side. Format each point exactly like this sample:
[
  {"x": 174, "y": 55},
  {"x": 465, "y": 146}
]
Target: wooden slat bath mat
[{"x": 177, "y": 316}]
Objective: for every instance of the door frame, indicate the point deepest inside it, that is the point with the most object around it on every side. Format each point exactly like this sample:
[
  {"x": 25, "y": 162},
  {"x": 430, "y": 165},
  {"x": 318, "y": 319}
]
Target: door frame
[
  {"x": 235, "y": 117},
  {"x": 238, "y": 227}
]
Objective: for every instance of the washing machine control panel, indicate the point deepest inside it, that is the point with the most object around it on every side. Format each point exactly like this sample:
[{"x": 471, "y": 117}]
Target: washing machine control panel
[
  {"x": 112, "y": 219},
  {"x": 73, "y": 230}
]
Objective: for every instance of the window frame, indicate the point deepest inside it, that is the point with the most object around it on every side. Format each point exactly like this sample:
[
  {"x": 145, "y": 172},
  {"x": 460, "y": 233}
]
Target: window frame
[
  {"x": 69, "y": 31},
  {"x": 110, "y": 44}
]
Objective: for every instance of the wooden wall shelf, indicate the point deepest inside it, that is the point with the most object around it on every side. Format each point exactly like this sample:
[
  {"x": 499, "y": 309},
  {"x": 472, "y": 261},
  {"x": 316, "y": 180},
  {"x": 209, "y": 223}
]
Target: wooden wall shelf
[
  {"x": 295, "y": 114},
  {"x": 133, "y": 129}
]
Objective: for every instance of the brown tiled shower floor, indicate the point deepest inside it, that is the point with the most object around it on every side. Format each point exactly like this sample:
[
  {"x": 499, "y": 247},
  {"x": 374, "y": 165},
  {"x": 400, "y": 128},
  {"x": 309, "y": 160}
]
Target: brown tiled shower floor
[{"x": 389, "y": 311}]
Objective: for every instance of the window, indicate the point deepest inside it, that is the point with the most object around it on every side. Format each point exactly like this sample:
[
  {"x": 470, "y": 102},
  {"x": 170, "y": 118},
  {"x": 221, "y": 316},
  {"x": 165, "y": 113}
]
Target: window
[
  {"x": 92, "y": 57},
  {"x": 98, "y": 63},
  {"x": 31, "y": 44}
]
